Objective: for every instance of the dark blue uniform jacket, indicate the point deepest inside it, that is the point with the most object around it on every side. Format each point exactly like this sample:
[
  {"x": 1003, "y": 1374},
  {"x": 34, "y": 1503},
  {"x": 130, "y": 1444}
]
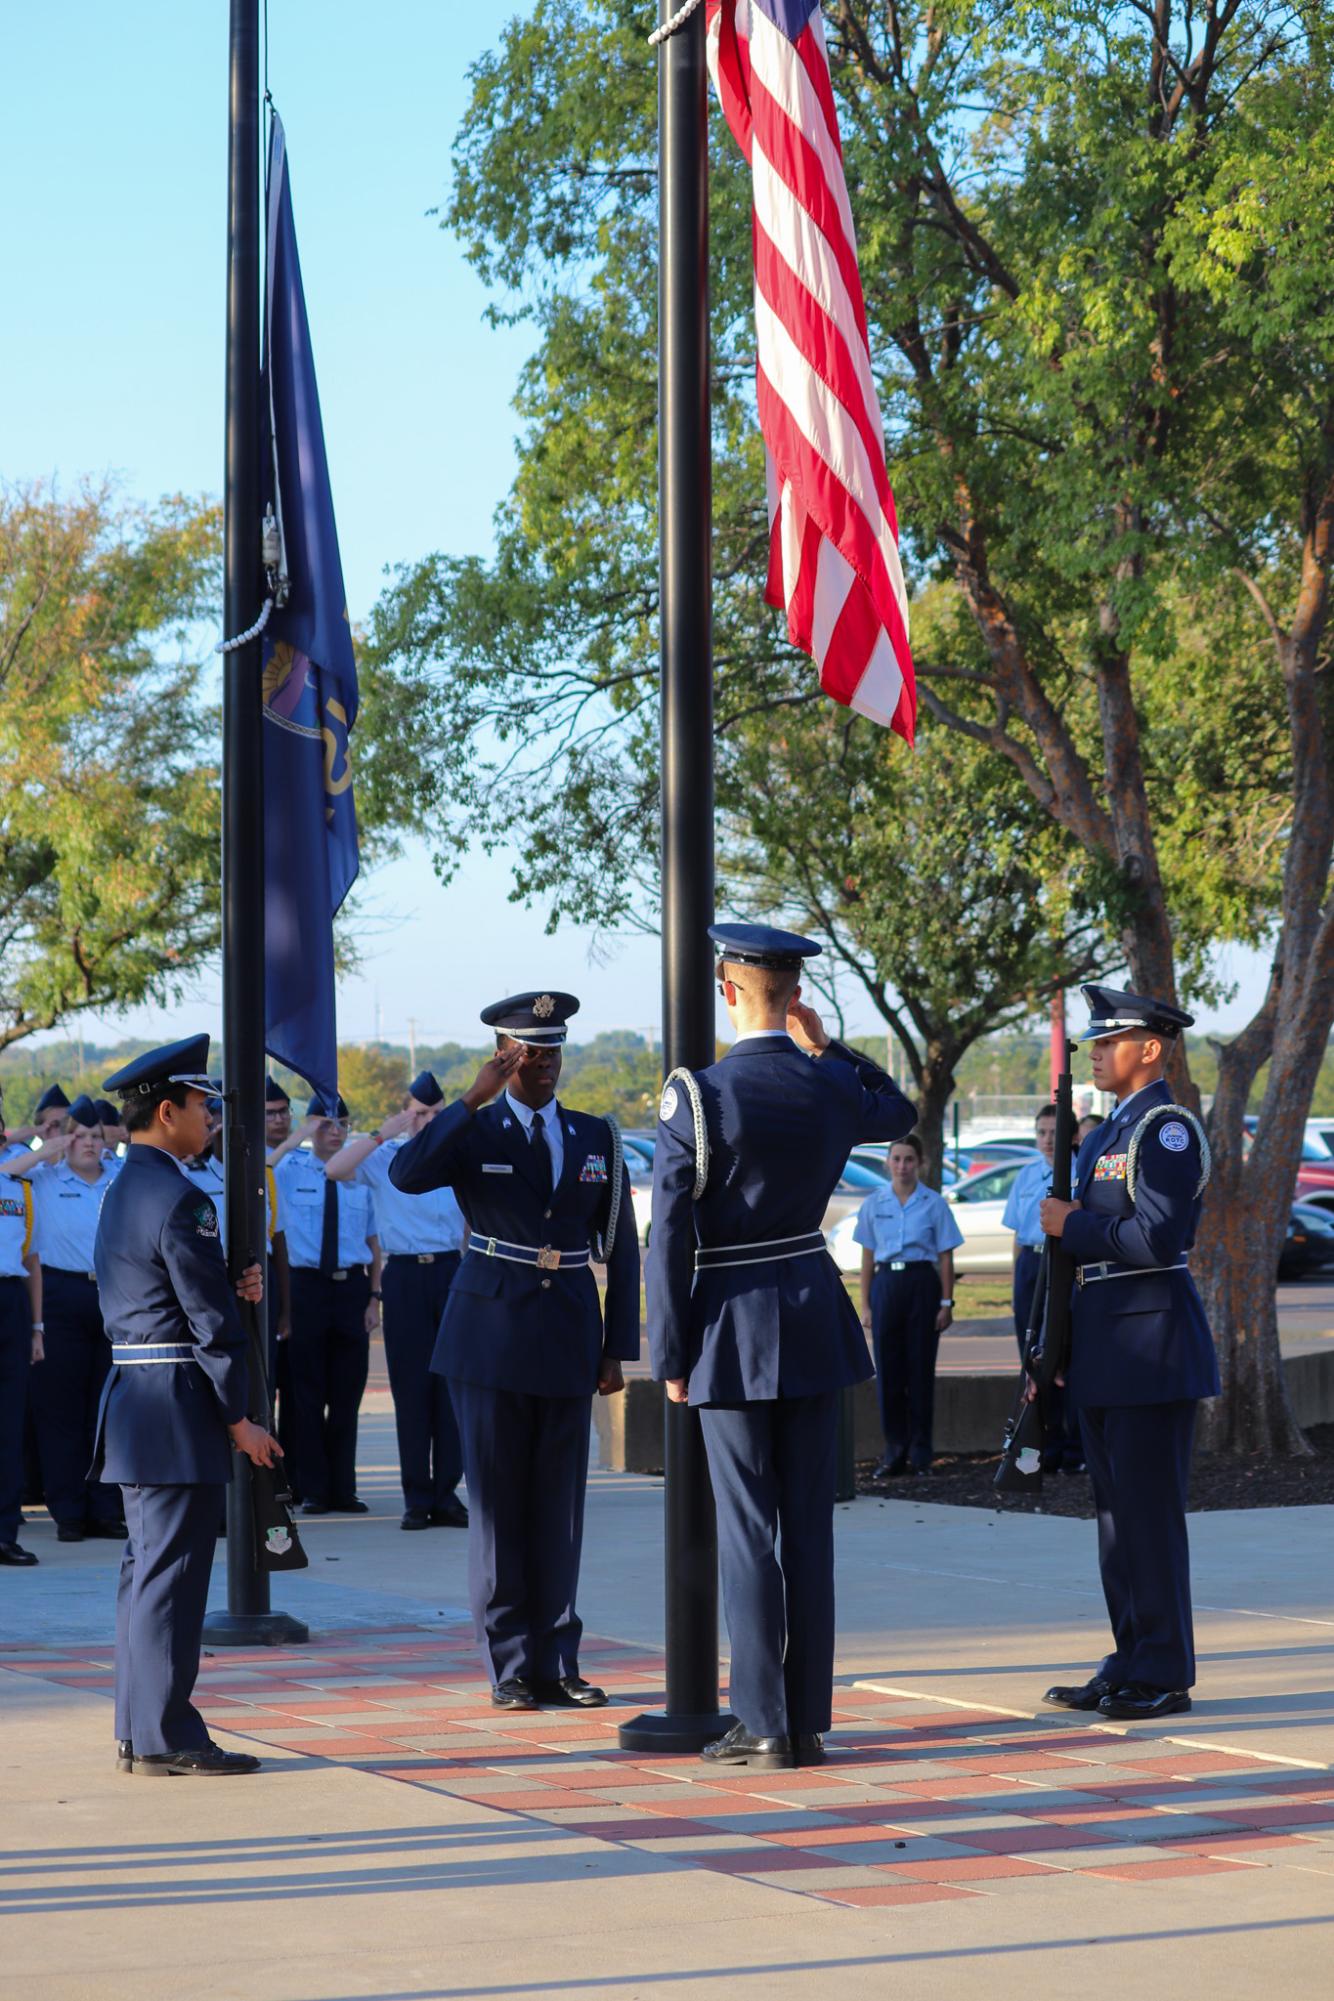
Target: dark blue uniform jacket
[
  {"x": 781, "y": 1125},
  {"x": 513, "y": 1326},
  {"x": 161, "y": 1277},
  {"x": 1139, "y": 1339}
]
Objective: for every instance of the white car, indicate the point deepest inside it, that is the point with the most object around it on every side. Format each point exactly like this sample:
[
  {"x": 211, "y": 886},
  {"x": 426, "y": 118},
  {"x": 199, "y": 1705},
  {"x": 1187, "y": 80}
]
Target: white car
[{"x": 978, "y": 1203}]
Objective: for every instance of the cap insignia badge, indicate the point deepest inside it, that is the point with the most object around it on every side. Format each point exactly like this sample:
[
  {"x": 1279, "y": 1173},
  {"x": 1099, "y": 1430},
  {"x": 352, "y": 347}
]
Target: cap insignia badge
[{"x": 544, "y": 1006}]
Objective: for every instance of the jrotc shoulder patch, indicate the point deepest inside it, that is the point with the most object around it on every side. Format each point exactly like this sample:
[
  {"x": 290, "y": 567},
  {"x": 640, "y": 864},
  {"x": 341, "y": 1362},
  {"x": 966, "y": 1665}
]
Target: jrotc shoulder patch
[
  {"x": 670, "y": 1101},
  {"x": 1174, "y": 1136},
  {"x": 206, "y": 1220},
  {"x": 1112, "y": 1167}
]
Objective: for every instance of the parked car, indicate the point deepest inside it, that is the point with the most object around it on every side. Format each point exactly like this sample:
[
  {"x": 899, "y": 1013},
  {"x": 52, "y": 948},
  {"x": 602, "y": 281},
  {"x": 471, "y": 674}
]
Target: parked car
[
  {"x": 874, "y": 1156},
  {"x": 1320, "y": 1132},
  {"x": 1309, "y": 1243},
  {"x": 1315, "y": 1169}
]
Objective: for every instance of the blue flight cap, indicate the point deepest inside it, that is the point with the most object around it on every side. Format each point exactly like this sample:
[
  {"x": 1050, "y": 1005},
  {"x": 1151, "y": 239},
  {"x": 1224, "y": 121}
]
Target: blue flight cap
[
  {"x": 425, "y": 1089},
  {"x": 184, "y": 1062},
  {"x": 538, "y": 1018},
  {"x": 53, "y": 1099},
  {"x": 84, "y": 1112},
  {"x": 318, "y": 1108},
  {"x": 108, "y": 1113},
  {"x": 763, "y": 945},
  {"x": 1112, "y": 1011},
  {"x": 274, "y": 1093}
]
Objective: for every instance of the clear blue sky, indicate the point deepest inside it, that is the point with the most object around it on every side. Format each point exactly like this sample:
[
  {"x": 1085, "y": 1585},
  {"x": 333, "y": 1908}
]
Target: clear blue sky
[{"x": 113, "y": 149}]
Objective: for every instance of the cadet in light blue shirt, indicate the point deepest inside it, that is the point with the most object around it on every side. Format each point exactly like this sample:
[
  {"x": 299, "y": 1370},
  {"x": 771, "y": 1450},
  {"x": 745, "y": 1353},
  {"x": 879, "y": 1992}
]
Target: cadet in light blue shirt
[
  {"x": 908, "y": 1235},
  {"x": 334, "y": 1257},
  {"x": 422, "y": 1237},
  {"x": 20, "y": 1347},
  {"x": 1030, "y": 1187}
]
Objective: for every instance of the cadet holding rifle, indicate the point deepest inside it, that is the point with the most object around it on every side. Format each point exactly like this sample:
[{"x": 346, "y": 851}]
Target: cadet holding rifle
[{"x": 1142, "y": 1355}]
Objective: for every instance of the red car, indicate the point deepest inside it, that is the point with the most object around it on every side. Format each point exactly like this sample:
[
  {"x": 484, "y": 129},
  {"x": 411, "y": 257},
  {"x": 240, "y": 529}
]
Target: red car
[{"x": 1315, "y": 1171}]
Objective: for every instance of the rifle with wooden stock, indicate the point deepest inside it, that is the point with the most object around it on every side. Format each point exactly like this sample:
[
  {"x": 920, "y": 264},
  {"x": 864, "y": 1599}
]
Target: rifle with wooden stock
[{"x": 1047, "y": 1336}]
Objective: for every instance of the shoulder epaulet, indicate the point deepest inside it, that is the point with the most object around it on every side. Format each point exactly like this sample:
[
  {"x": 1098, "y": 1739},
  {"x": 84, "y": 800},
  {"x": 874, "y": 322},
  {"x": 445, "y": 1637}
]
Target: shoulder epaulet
[
  {"x": 689, "y": 1083},
  {"x": 1174, "y": 1136}
]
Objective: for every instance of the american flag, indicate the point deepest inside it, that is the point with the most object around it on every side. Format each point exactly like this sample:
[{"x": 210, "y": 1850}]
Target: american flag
[{"x": 833, "y": 530}]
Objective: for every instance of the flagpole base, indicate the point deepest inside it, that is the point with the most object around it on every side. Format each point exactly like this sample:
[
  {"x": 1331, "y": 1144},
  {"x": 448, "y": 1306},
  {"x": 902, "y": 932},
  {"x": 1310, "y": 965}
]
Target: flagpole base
[
  {"x": 661, "y": 1731},
  {"x": 254, "y": 1629}
]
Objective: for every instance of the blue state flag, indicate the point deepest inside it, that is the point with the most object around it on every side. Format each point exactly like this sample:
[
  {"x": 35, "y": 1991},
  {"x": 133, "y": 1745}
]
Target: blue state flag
[{"x": 310, "y": 680}]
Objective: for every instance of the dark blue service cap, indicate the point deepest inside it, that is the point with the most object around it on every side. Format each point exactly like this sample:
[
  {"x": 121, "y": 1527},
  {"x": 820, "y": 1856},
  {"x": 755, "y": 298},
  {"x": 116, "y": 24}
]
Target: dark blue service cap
[
  {"x": 318, "y": 1108},
  {"x": 537, "y": 1018},
  {"x": 763, "y": 945},
  {"x": 53, "y": 1099},
  {"x": 425, "y": 1089},
  {"x": 108, "y": 1113},
  {"x": 84, "y": 1112},
  {"x": 274, "y": 1093},
  {"x": 184, "y": 1062},
  {"x": 1112, "y": 1011}
]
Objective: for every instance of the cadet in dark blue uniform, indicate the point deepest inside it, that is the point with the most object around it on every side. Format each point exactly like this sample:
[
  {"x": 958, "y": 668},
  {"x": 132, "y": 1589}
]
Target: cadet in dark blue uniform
[
  {"x": 750, "y": 1321},
  {"x": 20, "y": 1345},
  {"x": 1142, "y": 1353},
  {"x": 176, "y": 1393},
  {"x": 421, "y": 1239},
  {"x": 523, "y": 1341}
]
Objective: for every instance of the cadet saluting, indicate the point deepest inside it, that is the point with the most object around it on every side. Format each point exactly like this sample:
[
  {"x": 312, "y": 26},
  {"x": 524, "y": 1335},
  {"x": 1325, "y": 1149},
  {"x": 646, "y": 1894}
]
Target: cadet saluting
[
  {"x": 176, "y": 1392},
  {"x": 522, "y": 1341},
  {"x": 749, "y": 1319},
  {"x": 1142, "y": 1355}
]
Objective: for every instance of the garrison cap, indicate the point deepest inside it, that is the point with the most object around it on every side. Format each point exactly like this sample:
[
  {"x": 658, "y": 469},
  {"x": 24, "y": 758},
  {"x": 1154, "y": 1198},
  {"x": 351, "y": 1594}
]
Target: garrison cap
[
  {"x": 274, "y": 1093},
  {"x": 53, "y": 1099},
  {"x": 320, "y": 1107},
  {"x": 84, "y": 1112},
  {"x": 107, "y": 1112},
  {"x": 1111, "y": 1011},
  {"x": 537, "y": 1018},
  {"x": 184, "y": 1062},
  {"x": 762, "y": 945},
  {"x": 425, "y": 1089}
]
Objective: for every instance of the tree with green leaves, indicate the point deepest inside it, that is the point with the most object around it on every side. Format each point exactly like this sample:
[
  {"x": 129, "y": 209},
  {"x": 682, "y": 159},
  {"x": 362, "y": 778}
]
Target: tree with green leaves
[{"x": 1094, "y": 250}]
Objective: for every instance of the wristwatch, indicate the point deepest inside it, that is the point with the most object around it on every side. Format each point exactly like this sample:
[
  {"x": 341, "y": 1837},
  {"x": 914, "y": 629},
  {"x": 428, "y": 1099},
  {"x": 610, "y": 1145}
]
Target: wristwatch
[
  {"x": 949, "y": 1303},
  {"x": 377, "y": 1295},
  {"x": 39, "y": 1327}
]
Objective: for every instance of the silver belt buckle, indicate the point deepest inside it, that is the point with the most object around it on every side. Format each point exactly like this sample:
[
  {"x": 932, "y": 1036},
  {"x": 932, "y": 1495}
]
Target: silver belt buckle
[
  {"x": 426, "y": 1257},
  {"x": 547, "y": 1259},
  {"x": 898, "y": 1264},
  {"x": 338, "y": 1277},
  {"x": 489, "y": 1248}
]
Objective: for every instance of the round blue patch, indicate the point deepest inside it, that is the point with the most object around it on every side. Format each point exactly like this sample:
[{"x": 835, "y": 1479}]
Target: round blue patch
[{"x": 1174, "y": 1136}]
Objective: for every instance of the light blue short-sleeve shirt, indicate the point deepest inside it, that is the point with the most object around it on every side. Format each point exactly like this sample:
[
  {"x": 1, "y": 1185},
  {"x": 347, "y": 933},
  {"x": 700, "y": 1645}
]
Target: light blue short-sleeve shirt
[
  {"x": 67, "y": 1209},
  {"x": 916, "y": 1230},
  {"x": 1027, "y": 1192},
  {"x": 410, "y": 1223},
  {"x": 301, "y": 1184}
]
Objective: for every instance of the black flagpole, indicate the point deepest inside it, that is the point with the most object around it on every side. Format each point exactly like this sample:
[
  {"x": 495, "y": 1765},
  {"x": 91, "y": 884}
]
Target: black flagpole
[
  {"x": 691, "y": 1717},
  {"x": 248, "y": 1620}
]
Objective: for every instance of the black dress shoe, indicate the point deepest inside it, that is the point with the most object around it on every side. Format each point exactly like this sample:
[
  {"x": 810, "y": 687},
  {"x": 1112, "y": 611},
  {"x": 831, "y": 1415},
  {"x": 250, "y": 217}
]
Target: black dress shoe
[
  {"x": 571, "y": 1692},
  {"x": 15, "y": 1555},
  {"x": 451, "y": 1514},
  {"x": 352, "y": 1507},
  {"x": 316, "y": 1508},
  {"x": 1138, "y": 1702},
  {"x": 762, "y": 1754},
  {"x": 105, "y": 1531},
  {"x": 1087, "y": 1696},
  {"x": 124, "y": 1755},
  {"x": 415, "y": 1518},
  {"x": 70, "y": 1532},
  {"x": 514, "y": 1694},
  {"x": 890, "y": 1469},
  {"x": 810, "y": 1748},
  {"x": 211, "y": 1762}
]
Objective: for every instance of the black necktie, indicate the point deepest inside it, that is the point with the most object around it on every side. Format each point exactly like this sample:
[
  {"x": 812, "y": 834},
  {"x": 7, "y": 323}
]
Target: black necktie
[
  {"x": 329, "y": 1231},
  {"x": 537, "y": 1139}
]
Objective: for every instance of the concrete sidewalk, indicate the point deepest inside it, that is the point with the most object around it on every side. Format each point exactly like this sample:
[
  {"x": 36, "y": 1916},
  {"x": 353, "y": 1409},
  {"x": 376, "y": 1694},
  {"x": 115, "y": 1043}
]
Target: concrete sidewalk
[{"x": 404, "y": 1840}]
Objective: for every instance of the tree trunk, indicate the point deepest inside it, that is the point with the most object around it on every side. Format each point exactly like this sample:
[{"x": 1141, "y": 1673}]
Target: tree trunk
[{"x": 933, "y": 1097}]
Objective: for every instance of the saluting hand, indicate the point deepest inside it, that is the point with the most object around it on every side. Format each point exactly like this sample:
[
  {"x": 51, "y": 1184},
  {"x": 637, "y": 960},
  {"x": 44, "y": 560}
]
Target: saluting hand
[
  {"x": 493, "y": 1076},
  {"x": 805, "y": 1027},
  {"x": 396, "y": 1123}
]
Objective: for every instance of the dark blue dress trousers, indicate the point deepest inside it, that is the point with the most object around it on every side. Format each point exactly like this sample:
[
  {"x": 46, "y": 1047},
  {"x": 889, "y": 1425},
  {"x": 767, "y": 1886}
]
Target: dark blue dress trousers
[
  {"x": 430, "y": 1456},
  {"x": 66, "y": 1389},
  {"x": 15, "y": 1368}
]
